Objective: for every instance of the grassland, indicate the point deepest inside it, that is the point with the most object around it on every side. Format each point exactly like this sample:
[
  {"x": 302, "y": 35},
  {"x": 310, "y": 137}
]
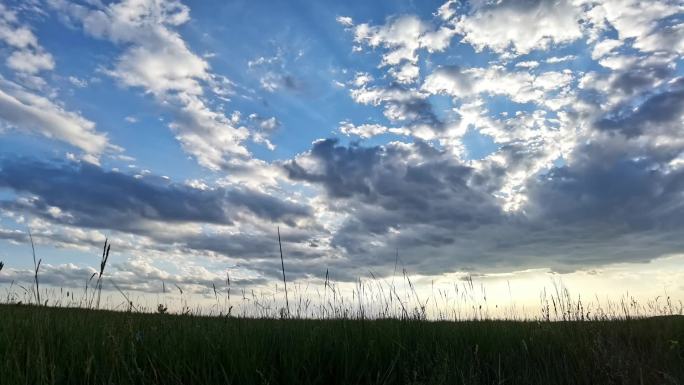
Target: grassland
[
  {"x": 381, "y": 335},
  {"x": 43, "y": 345}
]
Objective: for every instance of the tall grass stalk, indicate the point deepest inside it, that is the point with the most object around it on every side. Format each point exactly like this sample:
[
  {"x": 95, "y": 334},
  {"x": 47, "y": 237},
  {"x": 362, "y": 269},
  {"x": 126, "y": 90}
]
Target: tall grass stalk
[
  {"x": 282, "y": 265},
  {"x": 36, "y": 267},
  {"x": 103, "y": 263}
]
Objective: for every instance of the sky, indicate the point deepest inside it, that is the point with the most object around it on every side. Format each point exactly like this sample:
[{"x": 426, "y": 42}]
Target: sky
[{"x": 503, "y": 140}]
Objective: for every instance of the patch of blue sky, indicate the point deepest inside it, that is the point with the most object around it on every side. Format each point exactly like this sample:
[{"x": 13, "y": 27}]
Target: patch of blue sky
[
  {"x": 443, "y": 107},
  {"x": 462, "y": 55},
  {"x": 502, "y": 107},
  {"x": 679, "y": 69},
  {"x": 478, "y": 146},
  {"x": 304, "y": 119},
  {"x": 7, "y": 195},
  {"x": 18, "y": 255},
  {"x": 559, "y": 162},
  {"x": 575, "y": 56},
  {"x": 314, "y": 105},
  {"x": 75, "y": 53},
  {"x": 23, "y": 144}
]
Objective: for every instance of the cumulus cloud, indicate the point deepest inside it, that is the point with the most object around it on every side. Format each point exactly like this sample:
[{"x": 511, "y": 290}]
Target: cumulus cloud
[
  {"x": 424, "y": 202},
  {"x": 30, "y": 62},
  {"x": 648, "y": 25},
  {"x": 630, "y": 77},
  {"x": 659, "y": 115},
  {"x": 407, "y": 107},
  {"x": 521, "y": 26},
  {"x": 28, "y": 56},
  {"x": 402, "y": 37},
  {"x": 519, "y": 86}
]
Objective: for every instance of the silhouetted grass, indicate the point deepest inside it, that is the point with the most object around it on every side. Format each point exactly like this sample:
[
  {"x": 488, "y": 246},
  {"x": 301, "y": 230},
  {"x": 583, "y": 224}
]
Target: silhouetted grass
[
  {"x": 42, "y": 345},
  {"x": 378, "y": 336}
]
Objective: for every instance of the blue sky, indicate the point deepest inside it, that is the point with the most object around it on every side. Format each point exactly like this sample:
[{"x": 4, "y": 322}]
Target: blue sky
[{"x": 476, "y": 137}]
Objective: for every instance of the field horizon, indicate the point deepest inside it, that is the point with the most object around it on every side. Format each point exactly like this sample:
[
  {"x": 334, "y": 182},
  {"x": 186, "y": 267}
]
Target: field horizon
[{"x": 380, "y": 335}]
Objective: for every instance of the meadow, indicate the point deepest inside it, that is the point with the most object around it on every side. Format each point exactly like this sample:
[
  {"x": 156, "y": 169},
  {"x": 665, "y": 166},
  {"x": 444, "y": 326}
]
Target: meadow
[
  {"x": 386, "y": 333},
  {"x": 49, "y": 345}
]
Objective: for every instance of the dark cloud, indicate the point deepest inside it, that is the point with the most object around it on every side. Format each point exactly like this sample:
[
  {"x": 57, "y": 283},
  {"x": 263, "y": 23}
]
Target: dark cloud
[
  {"x": 440, "y": 213},
  {"x": 398, "y": 187},
  {"x": 414, "y": 110},
  {"x": 618, "y": 191},
  {"x": 403, "y": 105},
  {"x": 90, "y": 196},
  {"x": 658, "y": 113},
  {"x": 432, "y": 188},
  {"x": 14, "y": 236},
  {"x": 255, "y": 245},
  {"x": 345, "y": 171},
  {"x": 639, "y": 77}
]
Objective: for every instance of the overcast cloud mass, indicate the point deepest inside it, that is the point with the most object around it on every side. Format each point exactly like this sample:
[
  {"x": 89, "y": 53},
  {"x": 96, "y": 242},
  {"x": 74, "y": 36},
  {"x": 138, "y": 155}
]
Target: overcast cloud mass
[{"x": 467, "y": 136}]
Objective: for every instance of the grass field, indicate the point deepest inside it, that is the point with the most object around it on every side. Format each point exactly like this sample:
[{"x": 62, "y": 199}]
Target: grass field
[{"x": 42, "y": 345}]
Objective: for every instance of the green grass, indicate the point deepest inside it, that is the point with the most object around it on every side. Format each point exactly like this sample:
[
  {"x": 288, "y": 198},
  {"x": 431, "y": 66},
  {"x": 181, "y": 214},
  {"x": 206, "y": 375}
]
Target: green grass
[{"x": 41, "y": 345}]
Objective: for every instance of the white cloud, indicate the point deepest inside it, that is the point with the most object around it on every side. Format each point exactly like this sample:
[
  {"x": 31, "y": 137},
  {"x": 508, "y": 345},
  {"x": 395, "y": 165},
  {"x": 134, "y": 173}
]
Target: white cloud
[
  {"x": 169, "y": 67},
  {"x": 604, "y": 47},
  {"x": 521, "y": 26},
  {"x": 402, "y": 37},
  {"x": 643, "y": 22},
  {"x": 527, "y": 64},
  {"x": 345, "y": 21},
  {"x": 560, "y": 59},
  {"x": 30, "y": 62},
  {"x": 362, "y": 78},
  {"x": 17, "y": 36},
  {"x": 78, "y": 82},
  {"x": 269, "y": 124},
  {"x": 520, "y": 86},
  {"x": 446, "y": 11},
  {"x": 669, "y": 38},
  {"x": 24, "y": 110},
  {"x": 363, "y": 130},
  {"x": 28, "y": 56},
  {"x": 530, "y": 140},
  {"x": 406, "y": 74}
]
